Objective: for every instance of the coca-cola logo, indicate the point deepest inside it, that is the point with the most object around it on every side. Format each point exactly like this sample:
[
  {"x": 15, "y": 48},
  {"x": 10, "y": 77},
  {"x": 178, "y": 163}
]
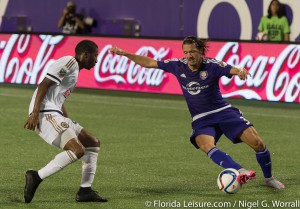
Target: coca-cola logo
[
  {"x": 25, "y": 58},
  {"x": 120, "y": 69},
  {"x": 13, "y": 70},
  {"x": 278, "y": 75}
]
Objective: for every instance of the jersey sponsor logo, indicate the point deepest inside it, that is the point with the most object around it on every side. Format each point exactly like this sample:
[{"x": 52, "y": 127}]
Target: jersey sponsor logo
[
  {"x": 64, "y": 125},
  {"x": 194, "y": 88},
  {"x": 203, "y": 75},
  {"x": 62, "y": 72}
]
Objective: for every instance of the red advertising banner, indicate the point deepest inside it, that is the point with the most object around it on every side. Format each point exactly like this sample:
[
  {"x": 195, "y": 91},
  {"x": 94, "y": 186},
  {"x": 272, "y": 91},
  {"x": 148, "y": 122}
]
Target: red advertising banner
[{"x": 25, "y": 58}]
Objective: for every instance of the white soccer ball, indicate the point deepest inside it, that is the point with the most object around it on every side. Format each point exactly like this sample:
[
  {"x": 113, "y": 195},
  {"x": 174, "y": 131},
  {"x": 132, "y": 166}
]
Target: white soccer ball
[{"x": 227, "y": 181}]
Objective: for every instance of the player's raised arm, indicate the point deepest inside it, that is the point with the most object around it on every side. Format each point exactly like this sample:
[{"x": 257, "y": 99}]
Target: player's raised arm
[
  {"x": 146, "y": 62},
  {"x": 242, "y": 73}
]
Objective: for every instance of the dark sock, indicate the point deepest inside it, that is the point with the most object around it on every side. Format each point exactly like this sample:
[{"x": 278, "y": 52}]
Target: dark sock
[
  {"x": 264, "y": 160},
  {"x": 222, "y": 159}
]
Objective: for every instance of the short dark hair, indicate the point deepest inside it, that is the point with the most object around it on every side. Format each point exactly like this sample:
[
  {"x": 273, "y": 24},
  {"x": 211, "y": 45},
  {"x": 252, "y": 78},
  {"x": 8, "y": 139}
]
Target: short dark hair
[
  {"x": 200, "y": 43},
  {"x": 85, "y": 46}
]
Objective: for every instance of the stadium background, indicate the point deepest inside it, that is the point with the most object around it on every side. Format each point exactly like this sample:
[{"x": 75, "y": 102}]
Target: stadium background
[{"x": 146, "y": 155}]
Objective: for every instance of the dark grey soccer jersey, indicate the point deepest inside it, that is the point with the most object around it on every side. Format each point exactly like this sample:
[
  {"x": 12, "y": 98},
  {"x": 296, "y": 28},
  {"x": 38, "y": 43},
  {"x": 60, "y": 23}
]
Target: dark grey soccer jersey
[{"x": 200, "y": 88}]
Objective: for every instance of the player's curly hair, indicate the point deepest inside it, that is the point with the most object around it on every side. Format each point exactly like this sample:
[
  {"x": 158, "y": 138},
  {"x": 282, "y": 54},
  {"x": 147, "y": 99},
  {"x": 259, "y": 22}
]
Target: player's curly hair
[
  {"x": 85, "y": 46},
  {"x": 201, "y": 44}
]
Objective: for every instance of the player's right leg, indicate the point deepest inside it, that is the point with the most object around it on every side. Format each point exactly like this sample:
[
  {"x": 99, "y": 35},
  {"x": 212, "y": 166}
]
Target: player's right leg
[
  {"x": 89, "y": 166},
  {"x": 206, "y": 144},
  {"x": 73, "y": 150}
]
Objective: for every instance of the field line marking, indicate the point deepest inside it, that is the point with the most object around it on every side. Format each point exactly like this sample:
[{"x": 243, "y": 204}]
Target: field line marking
[{"x": 160, "y": 107}]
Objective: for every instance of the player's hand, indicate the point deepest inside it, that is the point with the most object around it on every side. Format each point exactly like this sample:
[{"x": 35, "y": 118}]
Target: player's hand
[
  {"x": 117, "y": 50},
  {"x": 32, "y": 122},
  {"x": 243, "y": 74}
]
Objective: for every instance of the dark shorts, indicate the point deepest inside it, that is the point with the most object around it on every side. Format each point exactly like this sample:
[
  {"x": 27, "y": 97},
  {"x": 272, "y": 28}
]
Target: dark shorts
[{"x": 229, "y": 122}]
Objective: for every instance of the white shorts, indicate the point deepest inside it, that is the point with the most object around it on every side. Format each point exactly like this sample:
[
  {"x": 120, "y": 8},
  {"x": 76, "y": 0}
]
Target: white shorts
[{"x": 53, "y": 124}]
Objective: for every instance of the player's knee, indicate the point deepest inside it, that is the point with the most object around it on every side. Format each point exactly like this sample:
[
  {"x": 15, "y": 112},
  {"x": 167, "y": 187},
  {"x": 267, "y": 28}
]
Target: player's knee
[
  {"x": 78, "y": 151},
  {"x": 76, "y": 147},
  {"x": 205, "y": 144},
  {"x": 251, "y": 137},
  {"x": 69, "y": 141},
  {"x": 206, "y": 147},
  {"x": 93, "y": 141},
  {"x": 88, "y": 140},
  {"x": 97, "y": 142},
  {"x": 259, "y": 145}
]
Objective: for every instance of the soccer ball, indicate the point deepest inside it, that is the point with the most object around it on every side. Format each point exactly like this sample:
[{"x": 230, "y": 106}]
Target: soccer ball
[{"x": 227, "y": 181}]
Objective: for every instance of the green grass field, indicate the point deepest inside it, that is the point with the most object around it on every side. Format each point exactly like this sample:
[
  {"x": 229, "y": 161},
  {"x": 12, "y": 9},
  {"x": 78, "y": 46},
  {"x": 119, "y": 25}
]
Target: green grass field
[{"x": 146, "y": 154}]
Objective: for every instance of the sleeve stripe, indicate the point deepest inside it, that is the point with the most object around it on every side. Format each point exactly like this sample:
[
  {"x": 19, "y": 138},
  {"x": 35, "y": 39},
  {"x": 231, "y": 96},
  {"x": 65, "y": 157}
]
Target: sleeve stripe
[
  {"x": 52, "y": 76},
  {"x": 70, "y": 63}
]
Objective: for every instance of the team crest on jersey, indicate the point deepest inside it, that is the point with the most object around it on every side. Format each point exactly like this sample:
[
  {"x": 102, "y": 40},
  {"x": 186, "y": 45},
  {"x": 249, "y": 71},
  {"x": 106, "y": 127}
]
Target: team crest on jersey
[
  {"x": 222, "y": 64},
  {"x": 62, "y": 72},
  {"x": 203, "y": 75},
  {"x": 64, "y": 125}
]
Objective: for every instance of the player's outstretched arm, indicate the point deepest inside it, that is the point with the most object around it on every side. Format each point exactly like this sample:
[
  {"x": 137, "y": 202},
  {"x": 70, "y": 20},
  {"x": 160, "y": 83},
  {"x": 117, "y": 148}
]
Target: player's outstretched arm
[
  {"x": 242, "y": 73},
  {"x": 146, "y": 62}
]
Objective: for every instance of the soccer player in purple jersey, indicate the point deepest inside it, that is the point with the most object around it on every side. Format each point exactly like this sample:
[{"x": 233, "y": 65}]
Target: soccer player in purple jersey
[{"x": 212, "y": 116}]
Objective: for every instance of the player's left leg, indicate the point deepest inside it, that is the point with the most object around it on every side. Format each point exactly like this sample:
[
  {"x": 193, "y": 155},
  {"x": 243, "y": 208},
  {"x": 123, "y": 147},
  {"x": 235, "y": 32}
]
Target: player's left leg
[
  {"x": 89, "y": 166},
  {"x": 251, "y": 138}
]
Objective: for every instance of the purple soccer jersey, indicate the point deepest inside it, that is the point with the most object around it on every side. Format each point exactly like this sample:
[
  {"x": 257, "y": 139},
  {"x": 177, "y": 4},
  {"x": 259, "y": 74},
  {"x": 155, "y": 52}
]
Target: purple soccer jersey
[
  {"x": 211, "y": 114},
  {"x": 200, "y": 88}
]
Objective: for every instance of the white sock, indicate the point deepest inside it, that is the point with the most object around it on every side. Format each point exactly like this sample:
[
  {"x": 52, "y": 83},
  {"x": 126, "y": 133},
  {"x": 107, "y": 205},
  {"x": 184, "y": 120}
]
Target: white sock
[
  {"x": 89, "y": 166},
  {"x": 58, "y": 163}
]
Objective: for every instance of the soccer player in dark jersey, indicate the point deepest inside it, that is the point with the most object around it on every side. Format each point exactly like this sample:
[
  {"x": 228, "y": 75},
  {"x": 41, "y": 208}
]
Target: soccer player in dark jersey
[{"x": 212, "y": 116}]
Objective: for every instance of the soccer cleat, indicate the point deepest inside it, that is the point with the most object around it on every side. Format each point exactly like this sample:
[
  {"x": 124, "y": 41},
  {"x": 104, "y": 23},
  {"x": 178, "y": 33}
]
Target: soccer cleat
[
  {"x": 273, "y": 182},
  {"x": 33, "y": 180},
  {"x": 89, "y": 196},
  {"x": 245, "y": 176}
]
